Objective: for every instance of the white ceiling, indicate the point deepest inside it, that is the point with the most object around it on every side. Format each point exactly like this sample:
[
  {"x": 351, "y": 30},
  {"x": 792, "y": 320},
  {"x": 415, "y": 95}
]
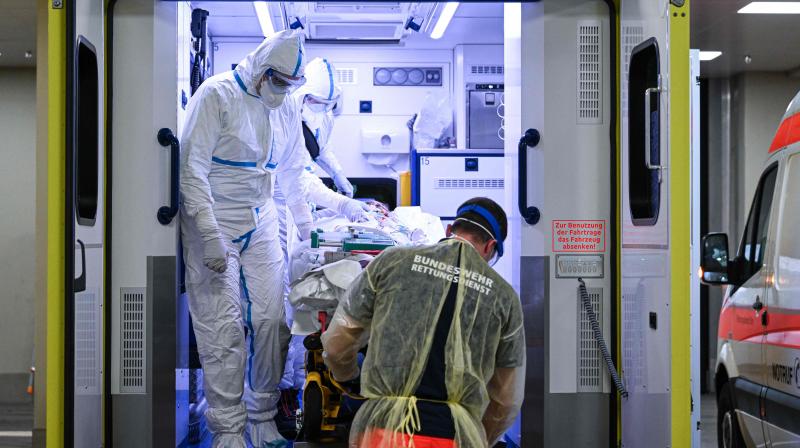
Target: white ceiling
[
  {"x": 238, "y": 20},
  {"x": 770, "y": 40},
  {"x": 17, "y": 32}
]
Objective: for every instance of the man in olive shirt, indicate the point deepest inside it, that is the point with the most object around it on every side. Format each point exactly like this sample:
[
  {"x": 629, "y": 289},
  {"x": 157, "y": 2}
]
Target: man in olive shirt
[{"x": 446, "y": 358}]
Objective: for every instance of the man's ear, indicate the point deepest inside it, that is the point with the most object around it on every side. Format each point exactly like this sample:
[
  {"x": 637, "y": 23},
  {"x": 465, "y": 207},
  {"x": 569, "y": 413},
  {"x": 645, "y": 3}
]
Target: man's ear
[
  {"x": 490, "y": 246},
  {"x": 449, "y": 230}
]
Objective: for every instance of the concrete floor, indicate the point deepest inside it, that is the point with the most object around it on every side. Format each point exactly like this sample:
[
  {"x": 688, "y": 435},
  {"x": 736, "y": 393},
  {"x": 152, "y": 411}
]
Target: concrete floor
[
  {"x": 16, "y": 424},
  {"x": 709, "y": 420}
]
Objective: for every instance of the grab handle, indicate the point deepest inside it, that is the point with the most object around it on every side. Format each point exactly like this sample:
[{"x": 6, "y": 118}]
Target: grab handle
[
  {"x": 166, "y": 213},
  {"x": 79, "y": 284},
  {"x": 648, "y": 142},
  {"x": 531, "y": 138}
]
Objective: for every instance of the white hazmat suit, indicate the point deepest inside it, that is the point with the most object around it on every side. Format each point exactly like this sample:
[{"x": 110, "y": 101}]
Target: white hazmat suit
[
  {"x": 315, "y": 99},
  {"x": 239, "y": 137}
]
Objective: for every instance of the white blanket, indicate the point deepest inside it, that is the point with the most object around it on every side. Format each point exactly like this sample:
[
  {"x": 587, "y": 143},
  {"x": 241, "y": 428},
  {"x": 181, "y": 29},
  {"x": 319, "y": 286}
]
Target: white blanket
[{"x": 317, "y": 287}]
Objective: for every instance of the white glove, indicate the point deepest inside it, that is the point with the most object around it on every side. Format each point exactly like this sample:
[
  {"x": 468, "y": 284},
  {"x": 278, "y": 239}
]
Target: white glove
[
  {"x": 215, "y": 255},
  {"x": 354, "y": 210},
  {"x": 343, "y": 185},
  {"x": 304, "y": 230}
]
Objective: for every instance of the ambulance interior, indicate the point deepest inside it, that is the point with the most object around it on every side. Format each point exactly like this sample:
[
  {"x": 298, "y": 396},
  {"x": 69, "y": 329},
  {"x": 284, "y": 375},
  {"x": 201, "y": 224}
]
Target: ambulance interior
[{"x": 420, "y": 121}]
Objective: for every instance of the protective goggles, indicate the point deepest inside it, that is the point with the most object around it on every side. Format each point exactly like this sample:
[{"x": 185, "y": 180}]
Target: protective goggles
[
  {"x": 486, "y": 215},
  {"x": 328, "y": 105},
  {"x": 283, "y": 84}
]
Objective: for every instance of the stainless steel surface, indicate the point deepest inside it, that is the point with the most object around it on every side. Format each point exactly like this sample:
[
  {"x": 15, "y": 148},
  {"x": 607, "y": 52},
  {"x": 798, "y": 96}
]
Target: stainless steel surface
[{"x": 483, "y": 120}]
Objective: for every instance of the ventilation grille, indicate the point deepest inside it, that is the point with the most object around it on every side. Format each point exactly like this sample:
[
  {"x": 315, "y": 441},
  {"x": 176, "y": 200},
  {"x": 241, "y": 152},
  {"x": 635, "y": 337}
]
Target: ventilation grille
[
  {"x": 589, "y": 73},
  {"x": 486, "y": 69},
  {"x": 461, "y": 184},
  {"x": 633, "y": 356},
  {"x": 346, "y": 76},
  {"x": 87, "y": 348},
  {"x": 132, "y": 341},
  {"x": 632, "y": 35},
  {"x": 590, "y": 360}
]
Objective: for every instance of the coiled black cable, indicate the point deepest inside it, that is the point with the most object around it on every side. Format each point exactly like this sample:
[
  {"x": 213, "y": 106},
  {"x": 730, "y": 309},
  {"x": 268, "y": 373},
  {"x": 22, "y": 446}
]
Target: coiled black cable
[{"x": 601, "y": 342}]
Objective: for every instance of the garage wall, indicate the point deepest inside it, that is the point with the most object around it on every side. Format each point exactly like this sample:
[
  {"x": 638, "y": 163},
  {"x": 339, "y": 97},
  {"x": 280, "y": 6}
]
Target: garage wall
[
  {"x": 17, "y": 224},
  {"x": 763, "y": 98}
]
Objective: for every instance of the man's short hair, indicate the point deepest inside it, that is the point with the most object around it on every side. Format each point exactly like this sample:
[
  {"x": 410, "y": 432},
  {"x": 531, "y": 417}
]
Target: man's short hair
[{"x": 471, "y": 214}]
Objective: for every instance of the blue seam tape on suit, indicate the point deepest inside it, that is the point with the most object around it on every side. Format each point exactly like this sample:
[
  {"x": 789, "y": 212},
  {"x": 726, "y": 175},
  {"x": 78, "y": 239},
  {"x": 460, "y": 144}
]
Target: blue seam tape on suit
[
  {"x": 234, "y": 163},
  {"x": 241, "y": 84},
  {"x": 330, "y": 78},
  {"x": 299, "y": 57},
  {"x": 249, "y": 321}
]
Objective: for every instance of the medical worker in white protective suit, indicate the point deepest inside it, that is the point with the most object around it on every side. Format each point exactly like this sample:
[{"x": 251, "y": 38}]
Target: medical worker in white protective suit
[
  {"x": 445, "y": 365},
  {"x": 239, "y": 137},
  {"x": 316, "y": 100}
]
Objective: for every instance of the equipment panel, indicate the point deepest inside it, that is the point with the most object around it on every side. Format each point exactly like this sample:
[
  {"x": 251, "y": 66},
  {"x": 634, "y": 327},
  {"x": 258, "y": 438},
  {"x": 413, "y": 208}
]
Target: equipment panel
[{"x": 407, "y": 76}]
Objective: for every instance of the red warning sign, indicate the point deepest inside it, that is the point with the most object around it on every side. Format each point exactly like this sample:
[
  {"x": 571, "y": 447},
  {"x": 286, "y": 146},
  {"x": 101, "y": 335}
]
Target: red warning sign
[{"x": 579, "y": 236}]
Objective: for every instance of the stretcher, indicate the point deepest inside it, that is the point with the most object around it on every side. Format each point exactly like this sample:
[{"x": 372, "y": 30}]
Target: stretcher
[{"x": 322, "y": 269}]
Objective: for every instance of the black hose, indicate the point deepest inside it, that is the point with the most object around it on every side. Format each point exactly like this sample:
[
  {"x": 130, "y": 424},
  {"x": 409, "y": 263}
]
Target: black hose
[
  {"x": 195, "y": 77},
  {"x": 601, "y": 342}
]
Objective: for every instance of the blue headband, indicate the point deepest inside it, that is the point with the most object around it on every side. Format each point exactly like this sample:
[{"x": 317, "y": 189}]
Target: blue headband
[{"x": 485, "y": 214}]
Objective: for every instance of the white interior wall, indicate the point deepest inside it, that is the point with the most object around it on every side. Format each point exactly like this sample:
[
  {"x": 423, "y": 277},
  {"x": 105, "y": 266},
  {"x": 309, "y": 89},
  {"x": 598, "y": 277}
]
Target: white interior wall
[
  {"x": 392, "y": 106},
  {"x": 17, "y": 221}
]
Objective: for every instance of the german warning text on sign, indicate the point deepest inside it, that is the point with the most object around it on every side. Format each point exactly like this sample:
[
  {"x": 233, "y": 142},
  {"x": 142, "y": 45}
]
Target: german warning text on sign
[{"x": 579, "y": 236}]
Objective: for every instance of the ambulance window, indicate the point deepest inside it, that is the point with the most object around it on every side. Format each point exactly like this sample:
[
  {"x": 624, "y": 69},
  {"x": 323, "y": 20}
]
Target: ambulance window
[
  {"x": 754, "y": 242},
  {"x": 789, "y": 244},
  {"x": 644, "y": 185},
  {"x": 87, "y": 143}
]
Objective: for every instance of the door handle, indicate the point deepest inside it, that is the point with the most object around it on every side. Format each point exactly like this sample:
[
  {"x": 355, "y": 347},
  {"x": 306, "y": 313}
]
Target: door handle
[
  {"x": 648, "y": 143},
  {"x": 530, "y": 139},
  {"x": 167, "y": 212},
  {"x": 758, "y": 305},
  {"x": 79, "y": 284}
]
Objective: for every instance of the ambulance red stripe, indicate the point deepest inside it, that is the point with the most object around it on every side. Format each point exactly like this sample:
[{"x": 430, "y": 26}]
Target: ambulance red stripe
[
  {"x": 741, "y": 324},
  {"x": 788, "y": 133}
]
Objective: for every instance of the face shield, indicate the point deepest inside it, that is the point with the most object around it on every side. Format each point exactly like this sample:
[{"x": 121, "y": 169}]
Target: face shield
[
  {"x": 486, "y": 215},
  {"x": 280, "y": 84},
  {"x": 317, "y": 104}
]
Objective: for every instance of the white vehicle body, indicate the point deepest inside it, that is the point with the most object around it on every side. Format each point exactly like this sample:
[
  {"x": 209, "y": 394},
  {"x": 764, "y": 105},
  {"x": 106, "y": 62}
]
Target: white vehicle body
[{"x": 759, "y": 326}]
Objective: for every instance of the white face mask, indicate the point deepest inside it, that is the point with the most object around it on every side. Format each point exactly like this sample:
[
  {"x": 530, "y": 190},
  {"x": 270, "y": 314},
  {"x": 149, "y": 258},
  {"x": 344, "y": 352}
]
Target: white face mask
[
  {"x": 271, "y": 96},
  {"x": 312, "y": 118},
  {"x": 317, "y": 108}
]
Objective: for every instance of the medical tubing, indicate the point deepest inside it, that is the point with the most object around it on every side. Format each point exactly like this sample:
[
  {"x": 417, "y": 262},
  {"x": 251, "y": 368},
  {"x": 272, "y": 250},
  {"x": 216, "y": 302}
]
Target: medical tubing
[{"x": 601, "y": 342}]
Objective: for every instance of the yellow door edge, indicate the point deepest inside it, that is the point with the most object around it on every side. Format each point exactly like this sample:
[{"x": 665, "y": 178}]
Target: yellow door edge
[
  {"x": 56, "y": 150},
  {"x": 679, "y": 172}
]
